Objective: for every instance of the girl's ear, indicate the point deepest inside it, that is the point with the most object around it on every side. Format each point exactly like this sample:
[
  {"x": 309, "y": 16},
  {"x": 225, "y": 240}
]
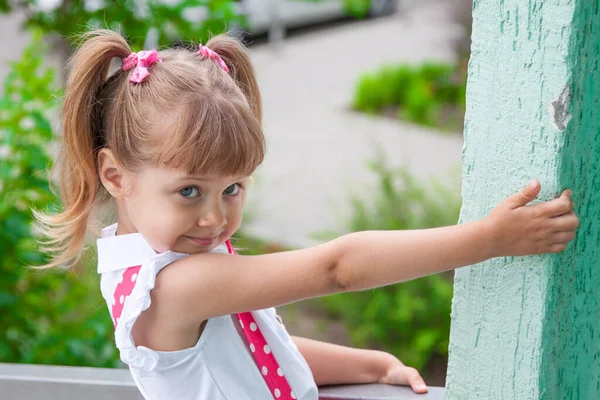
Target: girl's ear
[{"x": 113, "y": 175}]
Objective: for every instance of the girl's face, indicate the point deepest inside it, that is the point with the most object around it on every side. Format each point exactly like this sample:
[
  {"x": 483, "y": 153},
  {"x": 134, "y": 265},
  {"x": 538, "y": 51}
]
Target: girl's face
[{"x": 187, "y": 214}]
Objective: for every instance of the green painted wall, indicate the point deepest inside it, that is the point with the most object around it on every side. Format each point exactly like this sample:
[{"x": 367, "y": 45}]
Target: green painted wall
[{"x": 529, "y": 328}]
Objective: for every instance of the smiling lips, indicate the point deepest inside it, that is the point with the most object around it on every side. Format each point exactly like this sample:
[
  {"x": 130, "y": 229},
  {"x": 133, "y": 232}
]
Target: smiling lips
[{"x": 202, "y": 241}]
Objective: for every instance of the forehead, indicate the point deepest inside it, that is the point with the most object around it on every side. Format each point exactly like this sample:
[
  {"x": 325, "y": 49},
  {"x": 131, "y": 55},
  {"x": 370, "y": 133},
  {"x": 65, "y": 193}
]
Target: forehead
[
  {"x": 166, "y": 175},
  {"x": 208, "y": 141}
]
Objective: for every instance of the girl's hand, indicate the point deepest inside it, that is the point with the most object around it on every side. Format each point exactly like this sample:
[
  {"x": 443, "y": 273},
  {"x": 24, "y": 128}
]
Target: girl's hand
[
  {"x": 399, "y": 374},
  {"x": 518, "y": 229}
]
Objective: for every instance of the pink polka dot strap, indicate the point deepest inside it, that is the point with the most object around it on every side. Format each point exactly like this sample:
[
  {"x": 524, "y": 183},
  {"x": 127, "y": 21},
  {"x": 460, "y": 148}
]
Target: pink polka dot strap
[
  {"x": 265, "y": 360},
  {"x": 122, "y": 291}
]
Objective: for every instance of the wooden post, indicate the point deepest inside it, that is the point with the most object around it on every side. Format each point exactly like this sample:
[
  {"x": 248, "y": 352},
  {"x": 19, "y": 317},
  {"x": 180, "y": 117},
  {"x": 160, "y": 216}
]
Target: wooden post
[{"x": 529, "y": 328}]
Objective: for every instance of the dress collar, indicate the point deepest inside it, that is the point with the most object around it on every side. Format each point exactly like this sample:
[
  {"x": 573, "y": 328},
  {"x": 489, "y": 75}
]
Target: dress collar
[{"x": 123, "y": 251}]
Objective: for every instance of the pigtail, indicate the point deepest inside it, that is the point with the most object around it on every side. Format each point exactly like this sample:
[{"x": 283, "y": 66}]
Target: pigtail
[
  {"x": 240, "y": 68},
  {"x": 79, "y": 183}
]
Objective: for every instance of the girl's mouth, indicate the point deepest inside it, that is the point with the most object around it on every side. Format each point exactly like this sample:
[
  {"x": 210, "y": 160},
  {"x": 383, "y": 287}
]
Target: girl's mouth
[{"x": 202, "y": 241}]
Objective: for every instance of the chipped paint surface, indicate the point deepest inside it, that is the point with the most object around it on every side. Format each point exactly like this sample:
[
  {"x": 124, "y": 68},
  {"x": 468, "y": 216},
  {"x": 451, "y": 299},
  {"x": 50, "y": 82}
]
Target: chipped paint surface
[
  {"x": 528, "y": 327},
  {"x": 559, "y": 109}
]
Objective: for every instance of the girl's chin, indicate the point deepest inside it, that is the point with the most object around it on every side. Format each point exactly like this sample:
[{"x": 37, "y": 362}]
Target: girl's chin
[{"x": 196, "y": 248}]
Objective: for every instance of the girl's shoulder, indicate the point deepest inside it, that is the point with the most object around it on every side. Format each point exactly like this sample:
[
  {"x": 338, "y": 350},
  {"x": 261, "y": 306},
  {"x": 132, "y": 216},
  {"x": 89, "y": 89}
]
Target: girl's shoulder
[{"x": 129, "y": 267}]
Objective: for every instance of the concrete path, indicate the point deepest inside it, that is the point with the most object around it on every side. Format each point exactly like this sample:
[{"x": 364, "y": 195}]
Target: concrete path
[{"x": 317, "y": 148}]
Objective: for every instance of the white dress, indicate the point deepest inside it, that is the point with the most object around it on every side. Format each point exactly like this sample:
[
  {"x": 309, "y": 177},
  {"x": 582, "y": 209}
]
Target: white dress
[{"x": 220, "y": 365}]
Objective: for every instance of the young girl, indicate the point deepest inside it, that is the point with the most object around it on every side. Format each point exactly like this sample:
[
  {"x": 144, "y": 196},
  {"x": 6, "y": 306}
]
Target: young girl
[{"x": 172, "y": 137}]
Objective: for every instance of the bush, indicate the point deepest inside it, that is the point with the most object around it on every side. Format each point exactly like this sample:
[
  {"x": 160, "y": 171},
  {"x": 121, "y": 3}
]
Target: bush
[
  {"x": 431, "y": 94},
  {"x": 166, "y": 19},
  {"x": 411, "y": 319},
  {"x": 46, "y": 317}
]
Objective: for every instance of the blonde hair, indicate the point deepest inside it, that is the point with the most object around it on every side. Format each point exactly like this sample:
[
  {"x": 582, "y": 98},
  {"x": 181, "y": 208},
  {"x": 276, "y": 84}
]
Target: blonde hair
[{"x": 209, "y": 122}]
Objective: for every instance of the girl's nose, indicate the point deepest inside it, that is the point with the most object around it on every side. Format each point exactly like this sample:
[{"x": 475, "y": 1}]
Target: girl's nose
[{"x": 212, "y": 216}]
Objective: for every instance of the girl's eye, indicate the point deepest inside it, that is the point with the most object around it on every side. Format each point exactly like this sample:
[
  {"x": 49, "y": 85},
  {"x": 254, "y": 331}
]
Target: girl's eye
[
  {"x": 232, "y": 190},
  {"x": 189, "y": 192}
]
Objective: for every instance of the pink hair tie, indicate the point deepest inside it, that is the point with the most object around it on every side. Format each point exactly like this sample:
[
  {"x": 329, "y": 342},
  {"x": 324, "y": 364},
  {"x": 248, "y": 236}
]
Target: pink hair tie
[
  {"x": 208, "y": 53},
  {"x": 141, "y": 61}
]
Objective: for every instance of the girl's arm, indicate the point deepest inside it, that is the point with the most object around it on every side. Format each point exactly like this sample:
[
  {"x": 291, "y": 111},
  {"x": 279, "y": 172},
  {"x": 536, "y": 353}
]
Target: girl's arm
[
  {"x": 331, "y": 364},
  {"x": 203, "y": 286}
]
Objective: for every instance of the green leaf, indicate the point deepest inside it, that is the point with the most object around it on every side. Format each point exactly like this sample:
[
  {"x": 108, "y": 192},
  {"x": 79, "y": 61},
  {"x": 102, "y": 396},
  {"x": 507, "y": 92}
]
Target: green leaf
[{"x": 7, "y": 299}]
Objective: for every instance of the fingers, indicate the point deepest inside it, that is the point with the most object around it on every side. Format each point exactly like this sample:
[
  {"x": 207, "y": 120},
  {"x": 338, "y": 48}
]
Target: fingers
[
  {"x": 565, "y": 222},
  {"x": 563, "y": 237},
  {"x": 564, "y": 227},
  {"x": 541, "y": 228},
  {"x": 525, "y": 195},
  {"x": 415, "y": 381},
  {"x": 554, "y": 208},
  {"x": 557, "y": 248}
]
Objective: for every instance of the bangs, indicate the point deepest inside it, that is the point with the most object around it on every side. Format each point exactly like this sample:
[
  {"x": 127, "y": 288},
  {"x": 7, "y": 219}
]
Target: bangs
[{"x": 214, "y": 137}]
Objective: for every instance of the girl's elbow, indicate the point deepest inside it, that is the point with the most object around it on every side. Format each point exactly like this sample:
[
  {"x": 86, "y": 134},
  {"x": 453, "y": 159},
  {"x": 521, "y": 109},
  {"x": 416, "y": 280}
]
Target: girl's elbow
[{"x": 337, "y": 273}]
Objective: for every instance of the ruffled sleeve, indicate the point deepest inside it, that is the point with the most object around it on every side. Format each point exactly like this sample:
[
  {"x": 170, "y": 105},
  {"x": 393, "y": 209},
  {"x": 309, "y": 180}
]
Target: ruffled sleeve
[{"x": 138, "y": 301}]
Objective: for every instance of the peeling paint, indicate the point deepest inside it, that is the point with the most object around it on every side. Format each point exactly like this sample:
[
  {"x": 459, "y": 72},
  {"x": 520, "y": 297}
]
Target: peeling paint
[
  {"x": 559, "y": 109},
  {"x": 526, "y": 328}
]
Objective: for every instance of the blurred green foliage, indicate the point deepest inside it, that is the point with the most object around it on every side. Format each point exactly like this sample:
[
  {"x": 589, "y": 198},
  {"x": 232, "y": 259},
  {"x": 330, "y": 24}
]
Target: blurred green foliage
[
  {"x": 356, "y": 8},
  {"x": 411, "y": 319},
  {"x": 173, "y": 20},
  {"x": 46, "y": 317},
  {"x": 431, "y": 94}
]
